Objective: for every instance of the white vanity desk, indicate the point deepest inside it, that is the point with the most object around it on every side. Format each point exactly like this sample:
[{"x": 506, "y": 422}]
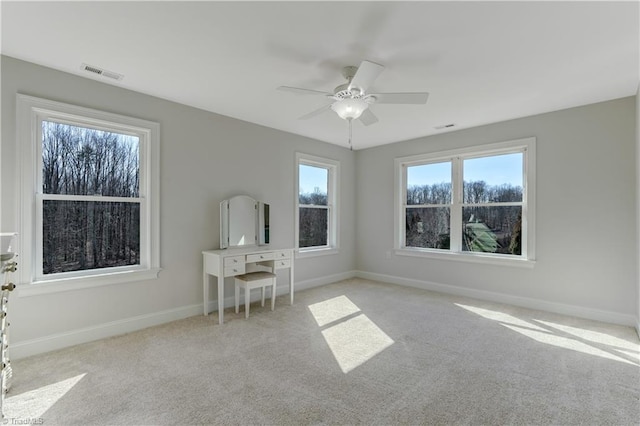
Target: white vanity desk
[{"x": 237, "y": 261}]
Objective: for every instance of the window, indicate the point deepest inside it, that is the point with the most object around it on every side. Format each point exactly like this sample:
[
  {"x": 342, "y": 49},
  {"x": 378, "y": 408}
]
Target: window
[
  {"x": 316, "y": 207},
  {"x": 475, "y": 202},
  {"x": 90, "y": 196},
  {"x": 428, "y": 208}
]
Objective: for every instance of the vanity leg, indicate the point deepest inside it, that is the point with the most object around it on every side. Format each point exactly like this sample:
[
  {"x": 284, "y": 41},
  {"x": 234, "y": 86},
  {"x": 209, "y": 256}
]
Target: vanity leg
[
  {"x": 205, "y": 290},
  {"x": 247, "y": 301},
  {"x": 221, "y": 299},
  {"x": 237, "y": 298},
  {"x": 291, "y": 281},
  {"x": 273, "y": 295}
]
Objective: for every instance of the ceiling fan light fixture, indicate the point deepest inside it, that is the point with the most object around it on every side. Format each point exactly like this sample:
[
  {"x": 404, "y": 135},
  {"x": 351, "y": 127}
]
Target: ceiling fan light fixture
[{"x": 349, "y": 109}]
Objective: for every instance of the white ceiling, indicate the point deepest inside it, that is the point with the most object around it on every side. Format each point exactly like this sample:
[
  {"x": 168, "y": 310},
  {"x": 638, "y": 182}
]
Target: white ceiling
[{"x": 482, "y": 62}]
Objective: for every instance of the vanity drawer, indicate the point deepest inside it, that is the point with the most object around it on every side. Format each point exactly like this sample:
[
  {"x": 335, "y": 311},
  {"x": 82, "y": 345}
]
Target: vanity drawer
[
  {"x": 259, "y": 257},
  {"x": 282, "y": 254},
  {"x": 233, "y": 260},
  {"x": 282, "y": 263},
  {"x": 230, "y": 271}
]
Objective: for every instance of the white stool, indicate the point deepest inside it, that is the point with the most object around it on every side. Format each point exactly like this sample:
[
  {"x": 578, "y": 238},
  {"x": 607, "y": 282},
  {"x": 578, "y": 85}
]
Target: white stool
[{"x": 253, "y": 280}]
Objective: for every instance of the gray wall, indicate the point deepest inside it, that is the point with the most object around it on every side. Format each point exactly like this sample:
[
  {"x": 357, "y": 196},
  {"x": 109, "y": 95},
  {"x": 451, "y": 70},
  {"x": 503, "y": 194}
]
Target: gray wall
[
  {"x": 586, "y": 240},
  {"x": 638, "y": 205},
  {"x": 586, "y": 245},
  {"x": 205, "y": 158}
]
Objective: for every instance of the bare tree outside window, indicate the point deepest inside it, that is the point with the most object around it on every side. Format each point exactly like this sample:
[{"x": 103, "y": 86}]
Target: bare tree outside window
[
  {"x": 313, "y": 206},
  {"x": 492, "y": 211},
  {"x": 91, "y": 209},
  {"x": 428, "y": 208},
  {"x": 489, "y": 204}
]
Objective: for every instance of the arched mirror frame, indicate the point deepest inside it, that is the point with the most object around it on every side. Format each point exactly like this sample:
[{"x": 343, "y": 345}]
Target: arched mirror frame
[{"x": 243, "y": 222}]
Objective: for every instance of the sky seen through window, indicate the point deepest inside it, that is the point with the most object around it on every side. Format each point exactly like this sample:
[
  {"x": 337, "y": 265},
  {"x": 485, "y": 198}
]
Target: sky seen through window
[
  {"x": 311, "y": 177},
  {"x": 494, "y": 170}
]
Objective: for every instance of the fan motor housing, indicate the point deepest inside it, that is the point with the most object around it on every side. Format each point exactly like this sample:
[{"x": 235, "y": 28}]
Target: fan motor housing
[{"x": 349, "y": 72}]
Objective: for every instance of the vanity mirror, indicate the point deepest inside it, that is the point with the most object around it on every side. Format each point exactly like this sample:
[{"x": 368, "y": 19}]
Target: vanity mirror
[
  {"x": 243, "y": 222},
  {"x": 7, "y": 245}
]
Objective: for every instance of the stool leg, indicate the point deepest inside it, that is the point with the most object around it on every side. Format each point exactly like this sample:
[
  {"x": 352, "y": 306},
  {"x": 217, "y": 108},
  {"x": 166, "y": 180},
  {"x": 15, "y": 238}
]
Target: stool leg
[
  {"x": 237, "y": 298},
  {"x": 247, "y": 299},
  {"x": 273, "y": 295}
]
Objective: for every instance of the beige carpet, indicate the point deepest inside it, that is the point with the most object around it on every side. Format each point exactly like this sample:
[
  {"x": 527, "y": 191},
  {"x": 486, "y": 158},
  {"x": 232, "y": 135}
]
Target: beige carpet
[{"x": 354, "y": 352}]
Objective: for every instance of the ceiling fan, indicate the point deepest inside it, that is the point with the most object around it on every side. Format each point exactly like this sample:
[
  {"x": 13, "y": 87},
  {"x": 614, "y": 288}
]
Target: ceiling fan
[{"x": 351, "y": 100}]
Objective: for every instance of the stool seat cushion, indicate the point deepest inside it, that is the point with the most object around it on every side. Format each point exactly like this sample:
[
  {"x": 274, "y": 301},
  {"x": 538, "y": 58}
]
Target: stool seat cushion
[
  {"x": 254, "y": 276},
  {"x": 251, "y": 280}
]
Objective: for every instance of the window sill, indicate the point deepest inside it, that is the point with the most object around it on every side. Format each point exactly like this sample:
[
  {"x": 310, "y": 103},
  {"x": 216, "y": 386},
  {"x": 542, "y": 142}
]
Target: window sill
[
  {"x": 80, "y": 283},
  {"x": 468, "y": 257},
  {"x": 325, "y": 251}
]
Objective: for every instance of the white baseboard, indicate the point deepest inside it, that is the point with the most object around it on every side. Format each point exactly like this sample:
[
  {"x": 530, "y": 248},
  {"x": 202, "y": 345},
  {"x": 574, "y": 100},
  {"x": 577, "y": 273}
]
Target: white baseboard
[
  {"x": 74, "y": 337},
  {"x": 229, "y": 301},
  {"x": 83, "y": 335},
  {"x": 525, "y": 302},
  {"x": 327, "y": 279}
]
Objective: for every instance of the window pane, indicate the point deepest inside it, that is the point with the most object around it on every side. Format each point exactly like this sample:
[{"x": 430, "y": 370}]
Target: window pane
[
  {"x": 313, "y": 185},
  {"x": 428, "y": 227},
  {"x": 83, "y": 161},
  {"x": 493, "y": 179},
  {"x": 313, "y": 226},
  {"x": 495, "y": 229},
  {"x": 429, "y": 184},
  {"x": 82, "y": 235}
]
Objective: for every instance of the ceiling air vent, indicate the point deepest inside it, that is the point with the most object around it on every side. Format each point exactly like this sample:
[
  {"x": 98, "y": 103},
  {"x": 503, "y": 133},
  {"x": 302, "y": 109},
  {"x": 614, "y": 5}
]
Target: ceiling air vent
[
  {"x": 102, "y": 72},
  {"x": 444, "y": 126}
]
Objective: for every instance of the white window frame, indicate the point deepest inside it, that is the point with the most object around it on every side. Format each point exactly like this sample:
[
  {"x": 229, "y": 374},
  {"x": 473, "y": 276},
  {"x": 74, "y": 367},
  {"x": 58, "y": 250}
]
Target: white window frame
[
  {"x": 333, "y": 169},
  {"x": 31, "y": 111},
  {"x": 527, "y": 258}
]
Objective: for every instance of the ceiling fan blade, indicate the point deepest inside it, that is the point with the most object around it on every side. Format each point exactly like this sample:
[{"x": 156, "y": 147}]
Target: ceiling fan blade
[
  {"x": 366, "y": 74},
  {"x": 302, "y": 91},
  {"x": 401, "y": 98},
  {"x": 315, "y": 112},
  {"x": 368, "y": 118}
]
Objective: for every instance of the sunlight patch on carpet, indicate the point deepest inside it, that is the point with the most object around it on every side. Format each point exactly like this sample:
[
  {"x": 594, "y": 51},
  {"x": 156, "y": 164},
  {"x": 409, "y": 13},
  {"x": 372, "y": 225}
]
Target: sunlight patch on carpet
[
  {"x": 564, "y": 336},
  {"x": 352, "y": 337},
  {"x": 499, "y": 316},
  {"x": 594, "y": 336},
  {"x": 33, "y": 404},
  {"x": 355, "y": 341},
  {"x": 631, "y": 354},
  {"x": 331, "y": 310},
  {"x": 566, "y": 343}
]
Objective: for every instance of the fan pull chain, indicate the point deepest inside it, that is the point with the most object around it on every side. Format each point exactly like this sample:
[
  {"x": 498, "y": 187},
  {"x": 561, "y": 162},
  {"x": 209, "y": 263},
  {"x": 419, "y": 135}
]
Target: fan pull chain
[{"x": 350, "y": 133}]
